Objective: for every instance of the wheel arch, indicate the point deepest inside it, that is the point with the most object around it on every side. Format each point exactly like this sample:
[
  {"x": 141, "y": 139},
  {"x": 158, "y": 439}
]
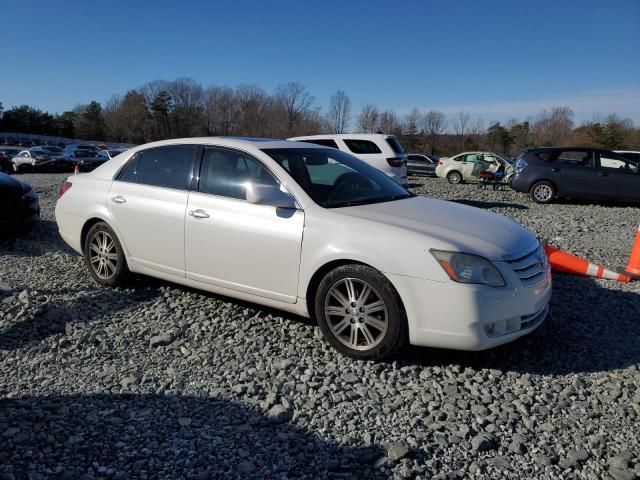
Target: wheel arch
[
  {"x": 323, "y": 270},
  {"x": 90, "y": 223}
]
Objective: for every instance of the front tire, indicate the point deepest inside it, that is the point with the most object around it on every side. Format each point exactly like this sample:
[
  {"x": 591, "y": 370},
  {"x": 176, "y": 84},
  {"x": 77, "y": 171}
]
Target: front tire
[
  {"x": 543, "y": 192},
  {"x": 454, "y": 177},
  {"x": 359, "y": 313},
  {"x": 104, "y": 256}
]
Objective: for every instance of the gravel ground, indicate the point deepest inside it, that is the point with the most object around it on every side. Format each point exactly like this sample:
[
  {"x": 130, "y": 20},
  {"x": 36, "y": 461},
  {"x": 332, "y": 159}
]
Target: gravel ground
[{"x": 161, "y": 381}]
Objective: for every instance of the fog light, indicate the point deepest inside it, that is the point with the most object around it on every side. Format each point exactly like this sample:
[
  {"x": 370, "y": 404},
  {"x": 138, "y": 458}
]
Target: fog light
[{"x": 488, "y": 328}]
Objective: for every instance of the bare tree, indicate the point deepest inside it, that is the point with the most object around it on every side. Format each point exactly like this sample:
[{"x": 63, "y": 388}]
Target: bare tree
[
  {"x": 294, "y": 100},
  {"x": 435, "y": 123},
  {"x": 339, "y": 113},
  {"x": 252, "y": 105},
  {"x": 221, "y": 111},
  {"x": 553, "y": 127},
  {"x": 368, "y": 119},
  {"x": 189, "y": 104},
  {"x": 412, "y": 122},
  {"x": 387, "y": 122},
  {"x": 460, "y": 126}
]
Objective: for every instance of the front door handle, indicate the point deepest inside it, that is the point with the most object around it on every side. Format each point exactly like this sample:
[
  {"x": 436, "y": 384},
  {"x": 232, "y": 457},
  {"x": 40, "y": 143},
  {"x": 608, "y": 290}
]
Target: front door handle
[
  {"x": 199, "y": 213},
  {"x": 118, "y": 199},
  {"x": 603, "y": 174},
  {"x": 556, "y": 170}
]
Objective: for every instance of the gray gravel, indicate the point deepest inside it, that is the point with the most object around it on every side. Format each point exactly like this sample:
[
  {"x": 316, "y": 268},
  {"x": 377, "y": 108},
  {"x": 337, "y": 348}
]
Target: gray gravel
[{"x": 160, "y": 381}]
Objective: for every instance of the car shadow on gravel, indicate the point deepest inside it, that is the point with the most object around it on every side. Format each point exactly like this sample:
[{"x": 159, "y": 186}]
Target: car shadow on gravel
[
  {"x": 488, "y": 205},
  {"x": 40, "y": 318},
  {"x": 592, "y": 328},
  {"x": 43, "y": 238},
  {"x": 158, "y": 436}
]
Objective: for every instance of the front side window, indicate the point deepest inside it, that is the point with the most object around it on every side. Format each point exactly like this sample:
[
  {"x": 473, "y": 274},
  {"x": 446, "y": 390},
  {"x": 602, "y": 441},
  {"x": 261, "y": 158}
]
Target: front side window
[
  {"x": 168, "y": 167},
  {"x": 362, "y": 146},
  {"x": 336, "y": 179},
  {"x": 618, "y": 162},
  {"x": 227, "y": 173}
]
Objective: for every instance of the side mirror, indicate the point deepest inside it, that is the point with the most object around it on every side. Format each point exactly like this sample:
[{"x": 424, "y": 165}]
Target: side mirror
[{"x": 269, "y": 195}]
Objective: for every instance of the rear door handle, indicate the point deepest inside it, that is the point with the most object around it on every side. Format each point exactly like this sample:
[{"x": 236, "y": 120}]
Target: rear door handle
[
  {"x": 199, "y": 213},
  {"x": 603, "y": 174},
  {"x": 118, "y": 199},
  {"x": 556, "y": 170}
]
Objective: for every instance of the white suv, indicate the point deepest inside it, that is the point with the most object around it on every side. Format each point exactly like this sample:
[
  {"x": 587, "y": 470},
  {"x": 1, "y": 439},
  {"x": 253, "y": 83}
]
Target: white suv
[{"x": 381, "y": 151}]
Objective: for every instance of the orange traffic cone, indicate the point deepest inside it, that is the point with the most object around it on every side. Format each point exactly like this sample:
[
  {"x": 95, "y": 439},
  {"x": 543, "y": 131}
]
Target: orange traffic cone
[
  {"x": 76, "y": 169},
  {"x": 633, "y": 267},
  {"x": 564, "y": 262}
]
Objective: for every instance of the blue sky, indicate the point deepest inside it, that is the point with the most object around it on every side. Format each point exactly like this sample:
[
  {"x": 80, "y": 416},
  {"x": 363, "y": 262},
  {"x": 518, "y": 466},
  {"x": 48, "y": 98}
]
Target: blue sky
[{"x": 497, "y": 59}]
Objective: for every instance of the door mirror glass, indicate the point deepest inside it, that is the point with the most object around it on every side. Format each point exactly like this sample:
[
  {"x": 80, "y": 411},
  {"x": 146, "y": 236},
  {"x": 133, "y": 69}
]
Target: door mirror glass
[{"x": 269, "y": 195}]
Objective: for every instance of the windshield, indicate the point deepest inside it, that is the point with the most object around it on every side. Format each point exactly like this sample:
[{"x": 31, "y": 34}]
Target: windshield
[
  {"x": 336, "y": 179},
  {"x": 52, "y": 149}
]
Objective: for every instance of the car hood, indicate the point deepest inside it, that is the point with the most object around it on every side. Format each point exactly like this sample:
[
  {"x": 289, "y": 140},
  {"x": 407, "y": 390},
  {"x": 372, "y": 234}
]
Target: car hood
[
  {"x": 10, "y": 188},
  {"x": 461, "y": 227}
]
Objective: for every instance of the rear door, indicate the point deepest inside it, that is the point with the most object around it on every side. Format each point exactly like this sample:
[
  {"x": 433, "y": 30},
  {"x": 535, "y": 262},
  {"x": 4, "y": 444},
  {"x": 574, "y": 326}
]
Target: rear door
[
  {"x": 574, "y": 174},
  {"x": 619, "y": 177},
  {"x": 148, "y": 201},
  {"x": 417, "y": 164}
]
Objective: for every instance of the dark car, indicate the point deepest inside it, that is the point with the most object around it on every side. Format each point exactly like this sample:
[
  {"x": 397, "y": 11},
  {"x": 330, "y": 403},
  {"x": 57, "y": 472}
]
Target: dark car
[
  {"x": 581, "y": 173},
  {"x": 19, "y": 207},
  {"x": 6, "y": 154},
  {"x": 86, "y": 159},
  {"x": 421, "y": 164}
]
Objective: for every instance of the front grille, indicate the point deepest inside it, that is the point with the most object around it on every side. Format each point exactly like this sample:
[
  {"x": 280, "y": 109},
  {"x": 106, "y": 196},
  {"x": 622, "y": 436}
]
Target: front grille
[{"x": 531, "y": 268}]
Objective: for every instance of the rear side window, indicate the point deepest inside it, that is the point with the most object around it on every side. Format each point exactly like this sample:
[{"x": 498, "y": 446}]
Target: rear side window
[
  {"x": 362, "y": 146},
  {"x": 168, "y": 167},
  {"x": 325, "y": 142},
  {"x": 580, "y": 158},
  {"x": 128, "y": 173},
  {"x": 617, "y": 162},
  {"x": 395, "y": 145}
]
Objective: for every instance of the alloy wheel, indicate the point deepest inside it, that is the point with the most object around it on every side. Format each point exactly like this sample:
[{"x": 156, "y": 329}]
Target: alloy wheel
[
  {"x": 543, "y": 193},
  {"x": 103, "y": 256},
  {"x": 356, "y": 314}
]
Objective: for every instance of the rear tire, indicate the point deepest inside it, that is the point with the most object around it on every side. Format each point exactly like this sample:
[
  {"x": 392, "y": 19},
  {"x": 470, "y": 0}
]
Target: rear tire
[
  {"x": 104, "y": 256},
  {"x": 543, "y": 192},
  {"x": 360, "y": 314},
  {"x": 454, "y": 177}
]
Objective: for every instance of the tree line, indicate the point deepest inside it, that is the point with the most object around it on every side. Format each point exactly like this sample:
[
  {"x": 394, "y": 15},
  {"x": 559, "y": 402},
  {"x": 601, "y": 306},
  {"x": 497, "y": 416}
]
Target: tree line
[{"x": 183, "y": 108}]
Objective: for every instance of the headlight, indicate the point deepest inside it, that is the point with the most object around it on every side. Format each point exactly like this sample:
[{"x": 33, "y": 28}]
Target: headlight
[{"x": 467, "y": 268}]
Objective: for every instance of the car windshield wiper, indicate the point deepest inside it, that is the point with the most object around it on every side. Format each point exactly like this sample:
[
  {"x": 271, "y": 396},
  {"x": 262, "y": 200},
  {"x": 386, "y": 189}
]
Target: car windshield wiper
[{"x": 369, "y": 201}]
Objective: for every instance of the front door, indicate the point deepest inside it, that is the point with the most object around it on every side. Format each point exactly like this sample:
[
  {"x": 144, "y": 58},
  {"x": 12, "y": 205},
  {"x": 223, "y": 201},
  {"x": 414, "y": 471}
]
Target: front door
[
  {"x": 619, "y": 177},
  {"x": 239, "y": 245}
]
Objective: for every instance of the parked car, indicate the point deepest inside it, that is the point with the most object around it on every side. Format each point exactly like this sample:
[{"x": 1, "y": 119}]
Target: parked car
[
  {"x": 6, "y": 154},
  {"x": 314, "y": 231},
  {"x": 466, "y": 167},
  {"x": 86, "y": 160},
  {"x": 421, "y": 164},
  {"x": 109, "y": 153},
  {"x": 40, "y": 159},
  {"x": 630, "y": 154},
  {"x": 19, "y": 208},
  {"x": 384, "y": 152},
  {"x": 584, "y": 173}
]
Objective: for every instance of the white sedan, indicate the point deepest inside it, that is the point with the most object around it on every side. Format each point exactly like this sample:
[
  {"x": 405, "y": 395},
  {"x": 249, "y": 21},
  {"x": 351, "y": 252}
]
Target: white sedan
[{"x": 313, "y": 231}]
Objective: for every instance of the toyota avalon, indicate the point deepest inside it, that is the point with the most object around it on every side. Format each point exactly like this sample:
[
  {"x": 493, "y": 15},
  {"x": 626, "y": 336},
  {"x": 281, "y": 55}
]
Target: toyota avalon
[{"x": 314, "y": 231}]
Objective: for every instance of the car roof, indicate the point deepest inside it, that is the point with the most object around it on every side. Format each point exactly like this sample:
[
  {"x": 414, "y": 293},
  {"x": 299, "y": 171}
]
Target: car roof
[
  {"x": 564, "y": 149},
  {"x": 348, "y": 136},
  {"x": 238, "y": 142}
]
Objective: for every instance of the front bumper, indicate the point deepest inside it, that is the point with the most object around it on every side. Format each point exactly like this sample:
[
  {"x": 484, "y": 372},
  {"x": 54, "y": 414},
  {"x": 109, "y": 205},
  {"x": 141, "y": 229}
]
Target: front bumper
[{"x": 456, "y": 316}]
